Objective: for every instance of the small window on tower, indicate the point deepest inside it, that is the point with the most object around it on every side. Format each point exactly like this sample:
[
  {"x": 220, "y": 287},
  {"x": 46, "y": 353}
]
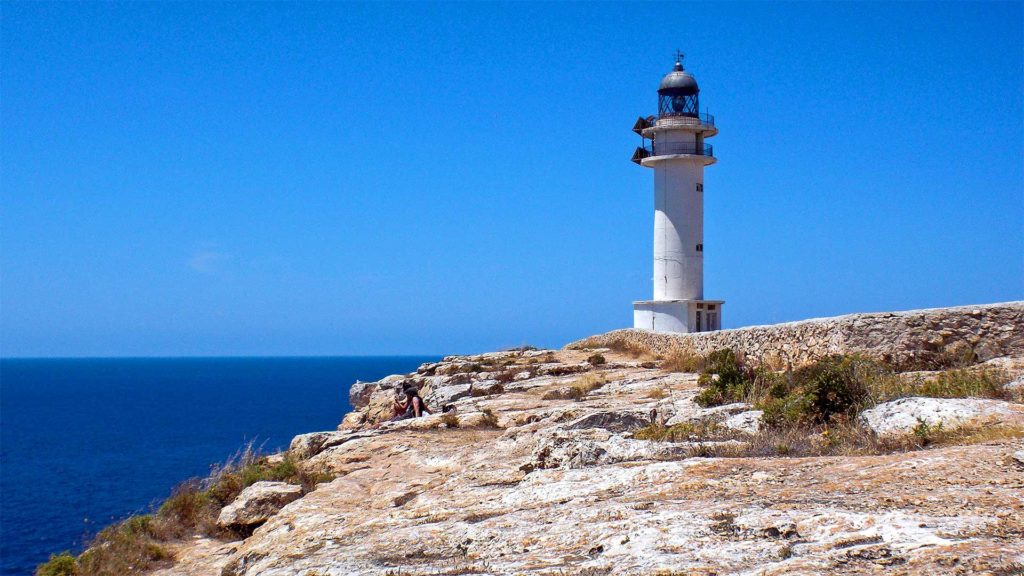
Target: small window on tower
[
  {"x": 700, "y": 247},
  {"x": 700, "y": 186}
]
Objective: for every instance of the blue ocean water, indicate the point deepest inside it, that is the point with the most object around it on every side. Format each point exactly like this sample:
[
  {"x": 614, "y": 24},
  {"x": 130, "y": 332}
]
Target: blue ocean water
[{"x": 85, "y": 442}]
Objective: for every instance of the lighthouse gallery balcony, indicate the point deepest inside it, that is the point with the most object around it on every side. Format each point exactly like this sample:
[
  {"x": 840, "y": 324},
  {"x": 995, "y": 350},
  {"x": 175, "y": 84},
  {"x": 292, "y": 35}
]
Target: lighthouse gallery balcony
[
  {"x": 648, "y": 127},
  {"x": 673, "y": 148}
]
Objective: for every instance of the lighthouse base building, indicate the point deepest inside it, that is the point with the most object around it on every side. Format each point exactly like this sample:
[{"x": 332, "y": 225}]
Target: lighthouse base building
[
  {"x": 678, "y": 315},
  {"x": 677, "y": 154}
]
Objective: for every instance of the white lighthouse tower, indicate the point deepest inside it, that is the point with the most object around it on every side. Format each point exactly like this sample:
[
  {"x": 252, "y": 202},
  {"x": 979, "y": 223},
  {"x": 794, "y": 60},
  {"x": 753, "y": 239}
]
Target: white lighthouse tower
[{"x": 678, "y": 155}]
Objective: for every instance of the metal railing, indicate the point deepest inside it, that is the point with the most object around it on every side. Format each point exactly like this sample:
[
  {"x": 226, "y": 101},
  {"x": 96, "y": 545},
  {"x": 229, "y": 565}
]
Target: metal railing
[
  {"x": 666, "y": 148},
  {"x": 698, "y": 119}
]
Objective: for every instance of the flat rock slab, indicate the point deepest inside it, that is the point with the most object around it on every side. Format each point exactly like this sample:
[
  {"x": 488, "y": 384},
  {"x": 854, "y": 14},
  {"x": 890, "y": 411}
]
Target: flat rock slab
[
  {"x": 258, "y": 503},
  {"x": 902, "y": 416}
]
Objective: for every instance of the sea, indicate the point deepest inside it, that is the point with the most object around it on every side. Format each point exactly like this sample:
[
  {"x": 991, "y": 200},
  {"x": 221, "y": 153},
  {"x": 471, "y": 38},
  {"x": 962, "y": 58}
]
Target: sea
[{"x": 88, "y": 442}]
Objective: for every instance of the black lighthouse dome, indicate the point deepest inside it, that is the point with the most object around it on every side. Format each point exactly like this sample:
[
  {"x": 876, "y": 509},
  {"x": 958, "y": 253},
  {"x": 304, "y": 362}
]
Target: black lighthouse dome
[
  {"x": 678, "y": 81},
  {"x": 678, "y": 93}
]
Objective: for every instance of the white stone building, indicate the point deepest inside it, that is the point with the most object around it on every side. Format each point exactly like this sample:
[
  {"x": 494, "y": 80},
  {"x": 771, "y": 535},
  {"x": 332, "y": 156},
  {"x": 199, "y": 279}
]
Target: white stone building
[{"x": 677, "y": 154}]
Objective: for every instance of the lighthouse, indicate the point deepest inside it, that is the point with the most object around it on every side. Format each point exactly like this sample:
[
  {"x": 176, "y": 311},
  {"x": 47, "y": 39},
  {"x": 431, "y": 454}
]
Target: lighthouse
[{"x": 677, "y": 153}]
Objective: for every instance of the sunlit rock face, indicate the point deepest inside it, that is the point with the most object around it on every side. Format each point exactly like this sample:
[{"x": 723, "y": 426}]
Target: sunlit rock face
[
  {"x": 903, "y": 416},
  {"x": 257, "y": 503},
  {"x": 541, "y": 467}
]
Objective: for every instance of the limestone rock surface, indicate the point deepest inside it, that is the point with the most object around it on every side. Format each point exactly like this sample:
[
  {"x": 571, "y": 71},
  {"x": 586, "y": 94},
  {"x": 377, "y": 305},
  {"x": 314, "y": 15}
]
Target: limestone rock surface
[
  {"x": 518, "y": 480},
  {"x": 257, "y": 503},
  {"x": 902, "y": 416}
]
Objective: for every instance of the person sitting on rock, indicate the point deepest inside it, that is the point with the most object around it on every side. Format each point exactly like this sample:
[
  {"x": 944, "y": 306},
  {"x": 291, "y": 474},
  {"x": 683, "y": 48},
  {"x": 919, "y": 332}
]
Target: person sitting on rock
[{"x": 413, "y": 407}]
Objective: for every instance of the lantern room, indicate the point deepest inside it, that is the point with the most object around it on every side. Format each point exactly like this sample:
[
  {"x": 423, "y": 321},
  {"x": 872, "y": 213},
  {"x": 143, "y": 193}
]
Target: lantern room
[{"x": 678, "y": 93}]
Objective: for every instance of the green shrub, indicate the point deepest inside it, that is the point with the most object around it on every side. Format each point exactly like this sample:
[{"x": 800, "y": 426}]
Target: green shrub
[
  {"x": 724, "y": 378},
  {"x": 596, "y": 360},
  {"x": 62, "y": 564},
  {"x": 789, "y": 410},
  {"x": 815, "y": 393},
  {"x": 925, "y": 433}
]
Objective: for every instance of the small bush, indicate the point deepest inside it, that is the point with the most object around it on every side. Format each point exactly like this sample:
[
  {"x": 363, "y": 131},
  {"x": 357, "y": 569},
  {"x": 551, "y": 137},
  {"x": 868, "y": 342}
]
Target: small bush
[
  {"x": 578, "y": 390},
  {"x": 189, "y": 509},
  {"x": 657, "y": 393},
  {"x": 62, "y": 564},
  {"x": 724, "y": 523},
  {"x": 490, "y": 419},
  {"x": 925, "y": 433},
  {"x": 680, "y": 361},
  {"x": 509, "y": 374},
  {"x": 813, "y": 394},
  {"x": 450, "y": 419},
  {"x": 725, "y": 379},
  {"x": 125, "y": 548},
  {"x": 586, "y": 384},
  {"x": 596, "y": 359}
]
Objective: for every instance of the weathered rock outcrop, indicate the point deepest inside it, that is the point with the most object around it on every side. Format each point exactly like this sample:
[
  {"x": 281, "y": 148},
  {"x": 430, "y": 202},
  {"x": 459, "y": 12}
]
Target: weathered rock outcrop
[
  {"x": 916, "y": 338},
  {"x": 903, "y": 416},
  {"x": 257, "y": 503},
  {"x": 542, "y": 468}
]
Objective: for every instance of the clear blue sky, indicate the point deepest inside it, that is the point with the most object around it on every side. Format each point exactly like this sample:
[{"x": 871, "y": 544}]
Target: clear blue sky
[{"x": 328, "y": 178}]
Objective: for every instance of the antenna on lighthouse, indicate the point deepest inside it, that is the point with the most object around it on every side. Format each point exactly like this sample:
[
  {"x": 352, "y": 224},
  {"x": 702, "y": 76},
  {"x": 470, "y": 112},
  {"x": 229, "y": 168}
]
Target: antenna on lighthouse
[{"x": 679, "y": 59}]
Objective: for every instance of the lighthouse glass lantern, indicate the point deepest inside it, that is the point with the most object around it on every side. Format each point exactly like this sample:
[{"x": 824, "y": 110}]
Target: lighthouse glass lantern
[
  {"x": 678, "y": 94},
  {"x": 678, "y": 155}
]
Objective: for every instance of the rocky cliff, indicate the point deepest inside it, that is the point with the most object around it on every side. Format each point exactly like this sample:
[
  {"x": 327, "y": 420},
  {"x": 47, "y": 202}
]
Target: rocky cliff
[{"x": 596, "y": 459}]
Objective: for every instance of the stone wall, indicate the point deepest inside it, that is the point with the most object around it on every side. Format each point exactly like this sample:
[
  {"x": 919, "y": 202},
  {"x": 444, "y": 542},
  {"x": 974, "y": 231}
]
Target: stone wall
[{"x": 916, "y": 339}]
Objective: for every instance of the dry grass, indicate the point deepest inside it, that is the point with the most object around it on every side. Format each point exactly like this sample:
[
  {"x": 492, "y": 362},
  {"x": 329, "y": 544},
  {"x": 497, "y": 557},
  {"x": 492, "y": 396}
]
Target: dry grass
[
  {"x": 956, "y": 383},
  {"x": 840, "y": 438},
  {"x": 688, "y": 432},
  {"x": 450, "y": 419},
  {"x": 512, "y": 370},
  {"x": 937, "y": 436},
  {"x": 126, "y": 548},
  {"x": 586, "y": 384},
  {"x": 657, "y": 393},
  {"x": 628, "y": 347},
  {"x": 490, "y": 419},
  {"x": 579, "y": 389},
  {"x": 682, "y": 361},
  {"x": 135, "y": 545}
]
